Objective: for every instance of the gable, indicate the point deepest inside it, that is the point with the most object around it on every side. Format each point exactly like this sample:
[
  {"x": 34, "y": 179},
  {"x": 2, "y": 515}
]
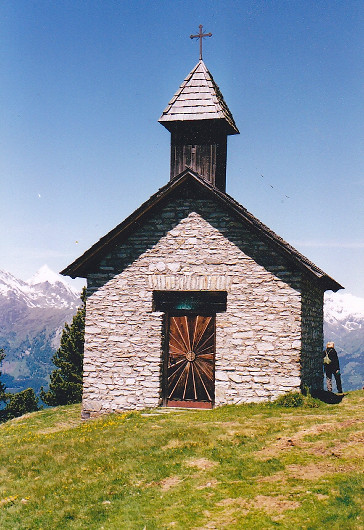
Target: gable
[
  {"x": 189, "y": 187},
  {"x": 193, "y": 245}
]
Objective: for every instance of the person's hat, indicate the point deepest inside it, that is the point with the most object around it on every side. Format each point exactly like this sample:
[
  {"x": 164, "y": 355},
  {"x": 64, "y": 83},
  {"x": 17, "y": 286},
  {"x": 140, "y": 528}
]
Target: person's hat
[{"x": 330, "y": 345}]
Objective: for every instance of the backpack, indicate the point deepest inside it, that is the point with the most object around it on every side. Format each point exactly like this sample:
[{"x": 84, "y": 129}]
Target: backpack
[{"x": 327, "y": 359}]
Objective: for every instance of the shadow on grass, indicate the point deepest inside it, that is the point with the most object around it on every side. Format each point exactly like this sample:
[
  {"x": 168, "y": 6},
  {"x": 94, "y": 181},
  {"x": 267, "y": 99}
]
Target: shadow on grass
[{"x": 327, "y": 397}]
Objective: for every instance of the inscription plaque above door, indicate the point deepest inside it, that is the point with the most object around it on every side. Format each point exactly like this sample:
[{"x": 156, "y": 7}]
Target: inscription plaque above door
[{"x": 200, "y": 302}]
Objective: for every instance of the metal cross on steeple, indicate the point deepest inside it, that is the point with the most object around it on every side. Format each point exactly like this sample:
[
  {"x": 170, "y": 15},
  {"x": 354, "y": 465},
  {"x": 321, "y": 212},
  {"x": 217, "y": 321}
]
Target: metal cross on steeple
[{"x": 200, "y": 36}]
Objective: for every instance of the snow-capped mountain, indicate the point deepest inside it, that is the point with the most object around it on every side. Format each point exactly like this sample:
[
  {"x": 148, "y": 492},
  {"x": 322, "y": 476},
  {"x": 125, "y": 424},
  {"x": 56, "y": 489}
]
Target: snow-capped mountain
[
  {"x": 344, "y": 308},
  {"x": 32, "y": 316},
  {"x": 45, "y": 289},
  {"x": 344, "y": 325}
]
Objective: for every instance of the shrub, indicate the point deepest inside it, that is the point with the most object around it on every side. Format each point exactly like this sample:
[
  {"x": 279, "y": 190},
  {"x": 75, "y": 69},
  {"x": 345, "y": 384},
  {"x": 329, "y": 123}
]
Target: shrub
[
  {"x": 312, "y": 403},
  {"x": 291, "y": 399}
]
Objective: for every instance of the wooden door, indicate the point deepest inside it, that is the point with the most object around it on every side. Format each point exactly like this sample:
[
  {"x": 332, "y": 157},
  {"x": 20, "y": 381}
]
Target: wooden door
[{"x": 190, "y": 370}]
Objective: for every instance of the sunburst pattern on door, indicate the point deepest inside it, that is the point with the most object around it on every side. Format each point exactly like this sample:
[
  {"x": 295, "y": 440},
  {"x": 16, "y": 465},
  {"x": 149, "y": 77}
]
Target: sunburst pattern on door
[{"x": 190, "y": 371}]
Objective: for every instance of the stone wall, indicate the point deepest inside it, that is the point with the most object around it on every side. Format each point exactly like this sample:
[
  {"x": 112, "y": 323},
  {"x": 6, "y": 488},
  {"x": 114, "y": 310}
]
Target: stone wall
[
  {"x": 192, "y": 244},
  {"x": 312, "y": 337}
]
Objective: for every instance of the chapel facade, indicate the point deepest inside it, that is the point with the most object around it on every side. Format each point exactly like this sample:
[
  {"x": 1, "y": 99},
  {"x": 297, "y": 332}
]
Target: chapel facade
[{"x": 191, "y": 300}]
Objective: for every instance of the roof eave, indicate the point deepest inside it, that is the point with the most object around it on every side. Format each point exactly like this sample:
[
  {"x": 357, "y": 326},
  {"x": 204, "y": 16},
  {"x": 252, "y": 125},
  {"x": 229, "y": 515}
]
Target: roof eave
[
  {"x": 329, "y": 284},
  {"x": 170, "y": 123}
]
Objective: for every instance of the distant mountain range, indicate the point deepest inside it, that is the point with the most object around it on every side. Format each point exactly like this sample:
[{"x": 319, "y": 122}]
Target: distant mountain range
[
  {"x": 344, "y": 325},
  {"x": 33, "y": 314}
]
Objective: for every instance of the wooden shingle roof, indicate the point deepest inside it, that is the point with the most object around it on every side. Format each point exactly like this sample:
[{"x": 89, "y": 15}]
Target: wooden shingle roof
[
  {"x": 198, "y": 98},
  {"x": 89, "y": 260}
]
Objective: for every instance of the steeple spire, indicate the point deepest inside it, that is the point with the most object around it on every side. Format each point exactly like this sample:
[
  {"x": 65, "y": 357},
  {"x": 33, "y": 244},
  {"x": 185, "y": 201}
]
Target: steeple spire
[{"x": 199, "y": 121}]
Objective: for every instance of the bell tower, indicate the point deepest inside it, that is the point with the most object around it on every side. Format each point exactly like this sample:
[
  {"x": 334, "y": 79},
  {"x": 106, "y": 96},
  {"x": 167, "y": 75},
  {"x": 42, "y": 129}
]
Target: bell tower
[{"x": 199, "y": 122}]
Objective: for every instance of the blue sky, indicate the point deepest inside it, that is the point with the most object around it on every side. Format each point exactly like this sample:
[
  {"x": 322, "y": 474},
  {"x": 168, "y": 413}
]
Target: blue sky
[{"x": 84, "y": 83}]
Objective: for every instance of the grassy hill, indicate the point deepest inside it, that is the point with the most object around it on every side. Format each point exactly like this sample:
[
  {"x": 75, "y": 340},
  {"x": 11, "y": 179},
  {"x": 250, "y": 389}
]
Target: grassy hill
[{"x": 249, "y": 466}]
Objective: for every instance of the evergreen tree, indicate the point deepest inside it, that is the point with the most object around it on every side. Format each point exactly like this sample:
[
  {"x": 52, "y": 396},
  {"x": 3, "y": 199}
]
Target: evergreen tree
[
  {"x": 2, "y": 386},
  {"x": 66, "y": 382},
  {"x": 15, "y": 405},
  {"x": 21, "y": 403}
]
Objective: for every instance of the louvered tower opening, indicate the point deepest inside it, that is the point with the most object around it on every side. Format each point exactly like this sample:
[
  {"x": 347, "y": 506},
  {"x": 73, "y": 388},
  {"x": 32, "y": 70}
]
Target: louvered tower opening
[{"x": 201, "y": 147}]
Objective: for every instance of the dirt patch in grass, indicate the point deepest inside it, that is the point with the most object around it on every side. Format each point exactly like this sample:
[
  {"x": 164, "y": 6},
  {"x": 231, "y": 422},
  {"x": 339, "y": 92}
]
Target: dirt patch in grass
[
  {"x": 316, "y": 471},
  {"x": 201, "y": 463},
  {"x": 224, "y": 519},
  {"x": 165, "y": 484},
  {"x": 307, "y": 472},
  {"x": 320, "y": 428},
  {"x": 173, "y": 444},
  {"x": 322, "y": 449},
  {"x": 352, "y": 448},
  {"x": 169, "y": 482},
  {"x": 298, "y": 439},
  {"x": 273, "y": 449},
  {"x": 274, "y": 504},
  {"x": 210, "y": 484},
  {"x": 268, "y": 503},
  {"x": 321, "y": 497}
]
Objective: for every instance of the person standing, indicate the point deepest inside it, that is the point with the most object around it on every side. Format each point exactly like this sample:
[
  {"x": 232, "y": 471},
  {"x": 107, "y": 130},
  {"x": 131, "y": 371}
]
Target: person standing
[{"x": 331, "y": 367}]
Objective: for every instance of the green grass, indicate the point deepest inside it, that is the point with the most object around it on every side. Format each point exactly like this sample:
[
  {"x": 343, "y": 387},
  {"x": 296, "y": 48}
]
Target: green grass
[{"x": 248, "y": 466}]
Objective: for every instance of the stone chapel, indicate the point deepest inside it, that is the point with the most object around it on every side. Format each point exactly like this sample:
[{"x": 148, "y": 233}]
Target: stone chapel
[{"x": 191, "y": 300}]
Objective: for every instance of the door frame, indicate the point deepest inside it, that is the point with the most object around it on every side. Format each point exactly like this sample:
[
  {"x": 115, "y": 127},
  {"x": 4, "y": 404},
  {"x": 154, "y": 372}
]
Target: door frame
[{"x": 184, "y": 404}]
